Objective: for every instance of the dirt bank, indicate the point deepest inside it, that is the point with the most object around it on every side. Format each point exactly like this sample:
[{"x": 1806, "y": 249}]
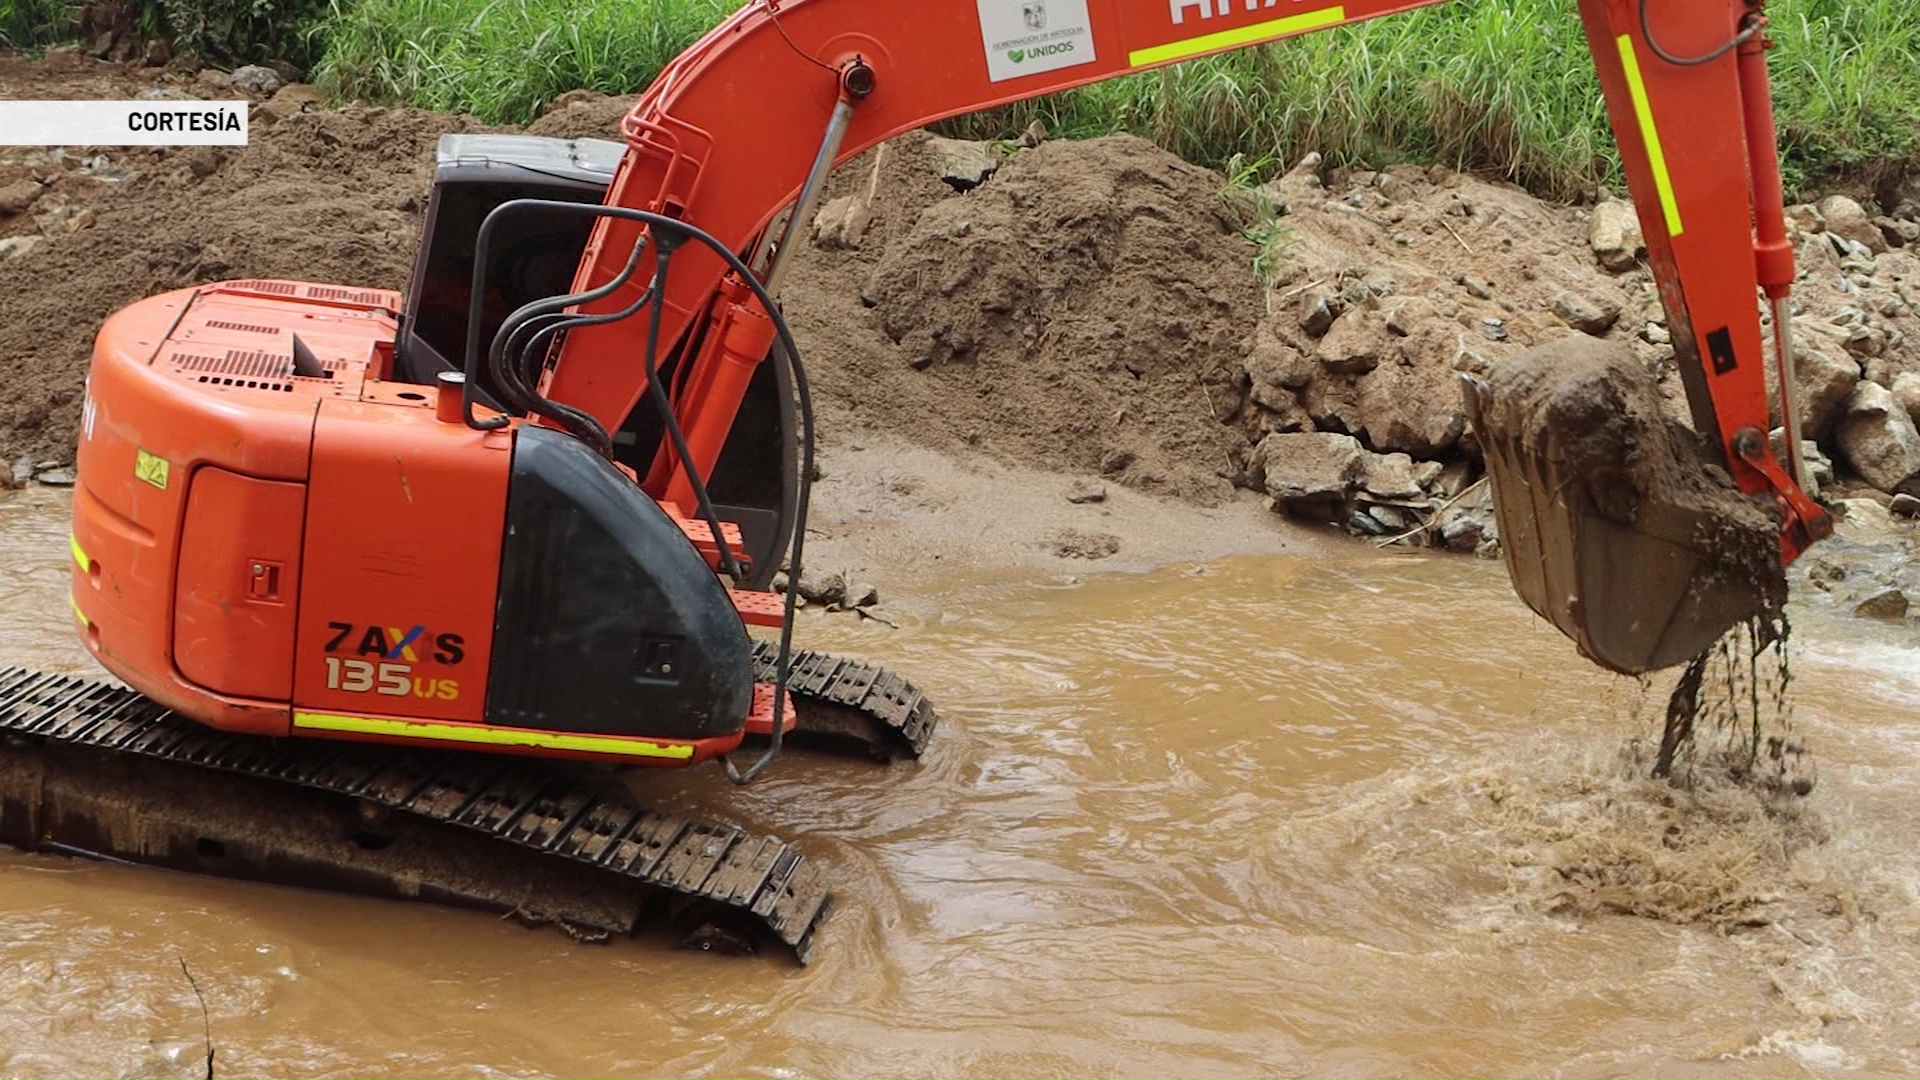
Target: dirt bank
[{"x": 1099, "y": 308}]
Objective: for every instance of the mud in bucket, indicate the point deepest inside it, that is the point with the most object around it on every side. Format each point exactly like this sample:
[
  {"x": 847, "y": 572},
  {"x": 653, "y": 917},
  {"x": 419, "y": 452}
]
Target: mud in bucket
[{"x": 1613, "y": 524}]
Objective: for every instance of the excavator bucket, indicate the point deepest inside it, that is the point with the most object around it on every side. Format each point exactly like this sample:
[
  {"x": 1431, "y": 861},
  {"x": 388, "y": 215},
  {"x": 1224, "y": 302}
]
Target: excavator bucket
[{"x": 1612, "y": 525}]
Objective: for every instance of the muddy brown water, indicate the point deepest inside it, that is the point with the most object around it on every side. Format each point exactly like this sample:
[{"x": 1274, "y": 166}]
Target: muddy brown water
[{"x": 1225, "y": 818}]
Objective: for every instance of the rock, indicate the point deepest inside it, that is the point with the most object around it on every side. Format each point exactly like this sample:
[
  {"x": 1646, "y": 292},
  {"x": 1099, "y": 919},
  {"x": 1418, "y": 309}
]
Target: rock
[
  {"x": 862, "y": 596},
  {"x": 256, "y": 80},
  {"x": 1615, "y": 236},
  {"x": 295, "y": 98},
  {"x": 1889, "y": 603},
  {"x": 18, "y": 245},
  {"x": 1310, "y": 470},
  {"x": 1391, "y": 518},
  {"x": 1389, "y": 476},
  {"x": 158, "y": 52},
  {"x": 841, "y": 224},
  {"x": 1824, "y": 378},
  {"x": 1274, "y": 364},
  {"x": 23, "y": 471},
  {"x": 164, "y": 93},
  {"x": 57, "y": 476},
  {"x": 1318, "y": 309},
  {"x": 1085, "y": 491},
  {"x": 1879, "y": 440},
  {"x": 17, "y": 197},
  {"x": 1406, "y": 316},
  {"x": 1806, "y": 220},
  {"x": 1904, "y": 506},
  {"x": 1899, "y": 233},
  {"x": 829, "y": 590},
  {"x": 214, "y": 79},
  {"x": 1594, "y": 317},
  {"x": 1847, "y": 218},
  {"x": 964, "y": 165},
  {"x": 1824, "y": 574},
  {"x": 1466, "y": 528},
  {"x": 1365, "y": 524},
  {"x": 1452, "y": 479},
  {"x": 1906, "y": 391},
  {"x": 1477, "y": 287},
  {"x": 1352, "y": 346},
  {"x": 1073, "y": 544},
  {"x": 577, "y": 96}
]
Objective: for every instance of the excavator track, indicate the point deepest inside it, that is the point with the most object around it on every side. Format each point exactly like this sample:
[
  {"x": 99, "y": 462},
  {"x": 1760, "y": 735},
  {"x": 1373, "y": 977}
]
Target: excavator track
[{"x": 91, "y": 768}]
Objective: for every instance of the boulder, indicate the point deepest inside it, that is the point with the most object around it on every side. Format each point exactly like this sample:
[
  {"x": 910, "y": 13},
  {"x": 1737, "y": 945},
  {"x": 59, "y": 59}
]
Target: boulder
[
  {"x": 257, "y": 80},
  {"x": 1354, "y": 343},
  {"x": 1275, "y": 364},
  {"x": 295, "y": 98},
  {"x": 962, "y": 164},
  {"x": 1594, "y": 317},
  {"x": 1906, "y": 391},
  {"x": 841, "y": 224},
  {"x": 1390, "y": 476},
  {"x": 1318, "y": 308},
  {"x": 1878, "y": 438},
  {"x": 1311, "y": 471},
  {"x": 1614, "y": 233},
  {"x": 1824, "y": 378},
  {"x": 15, "y": 198},
  {"x": 1412, "y": 408},
  {"x": 1849, "y": 219},
  {"x": 1887, "y": 603}
]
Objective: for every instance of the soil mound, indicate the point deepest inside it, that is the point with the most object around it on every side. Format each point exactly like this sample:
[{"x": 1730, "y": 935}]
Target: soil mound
[
  {"x": 320, "y": 196},
  {"x": 1086, "y": 306}
]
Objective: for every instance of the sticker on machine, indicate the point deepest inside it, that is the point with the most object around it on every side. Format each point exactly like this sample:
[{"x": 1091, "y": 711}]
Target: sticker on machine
[{"x": 1027, "y": 37}]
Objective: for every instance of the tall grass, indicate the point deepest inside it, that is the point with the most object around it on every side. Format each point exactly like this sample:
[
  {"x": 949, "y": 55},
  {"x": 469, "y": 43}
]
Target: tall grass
[
  {"x": 1503, "y": 87},
  {"x": 502, "y": 59},
  {"x": 27, "y": 23}
]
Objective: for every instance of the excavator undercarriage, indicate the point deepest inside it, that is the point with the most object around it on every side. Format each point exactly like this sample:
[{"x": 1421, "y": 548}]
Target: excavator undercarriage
[{"x": 88, "y": 768}]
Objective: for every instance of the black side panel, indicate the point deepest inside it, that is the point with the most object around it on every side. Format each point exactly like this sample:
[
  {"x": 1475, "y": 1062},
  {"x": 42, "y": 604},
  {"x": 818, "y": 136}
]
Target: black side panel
[{"x": 609, "y": 622}]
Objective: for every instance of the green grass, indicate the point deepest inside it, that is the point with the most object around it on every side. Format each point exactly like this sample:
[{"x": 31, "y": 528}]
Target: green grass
[
  {"x": 1500, "y": 87},
  {"x": 502, "y": 59},
  {"x": 26, "y": 24}
]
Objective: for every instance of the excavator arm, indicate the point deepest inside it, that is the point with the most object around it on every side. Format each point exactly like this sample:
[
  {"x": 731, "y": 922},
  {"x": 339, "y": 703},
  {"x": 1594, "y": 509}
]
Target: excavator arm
[{"x": 746, "y": 124}]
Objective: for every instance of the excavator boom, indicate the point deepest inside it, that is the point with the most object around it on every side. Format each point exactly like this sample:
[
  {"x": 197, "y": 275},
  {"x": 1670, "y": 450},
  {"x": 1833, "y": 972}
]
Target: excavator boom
[{"x": 1685, "y": 85}]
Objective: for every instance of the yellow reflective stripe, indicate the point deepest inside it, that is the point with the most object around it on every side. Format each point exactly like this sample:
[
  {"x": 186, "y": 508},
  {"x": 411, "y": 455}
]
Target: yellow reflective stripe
[
  {"x": 1649, "y": 134},
  {"x": 74, "y": 603},
  {"x": 1243, "y": 35},
  {"x": 473, "y": 733},
  {"x": 79, "y": 553}
]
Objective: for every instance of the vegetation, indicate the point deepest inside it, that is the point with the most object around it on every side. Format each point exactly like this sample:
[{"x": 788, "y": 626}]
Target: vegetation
[
  {"x": 27, "y": 23},
  {"x": 502, "y": 59},
  {"x": 227, "y": 32},
  {"x": 1501, "y": 87}
]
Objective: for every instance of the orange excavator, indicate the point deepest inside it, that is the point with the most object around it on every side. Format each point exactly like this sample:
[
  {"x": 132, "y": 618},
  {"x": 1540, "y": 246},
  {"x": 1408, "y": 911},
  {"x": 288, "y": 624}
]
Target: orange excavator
[{"x": 336, "y": 539}]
